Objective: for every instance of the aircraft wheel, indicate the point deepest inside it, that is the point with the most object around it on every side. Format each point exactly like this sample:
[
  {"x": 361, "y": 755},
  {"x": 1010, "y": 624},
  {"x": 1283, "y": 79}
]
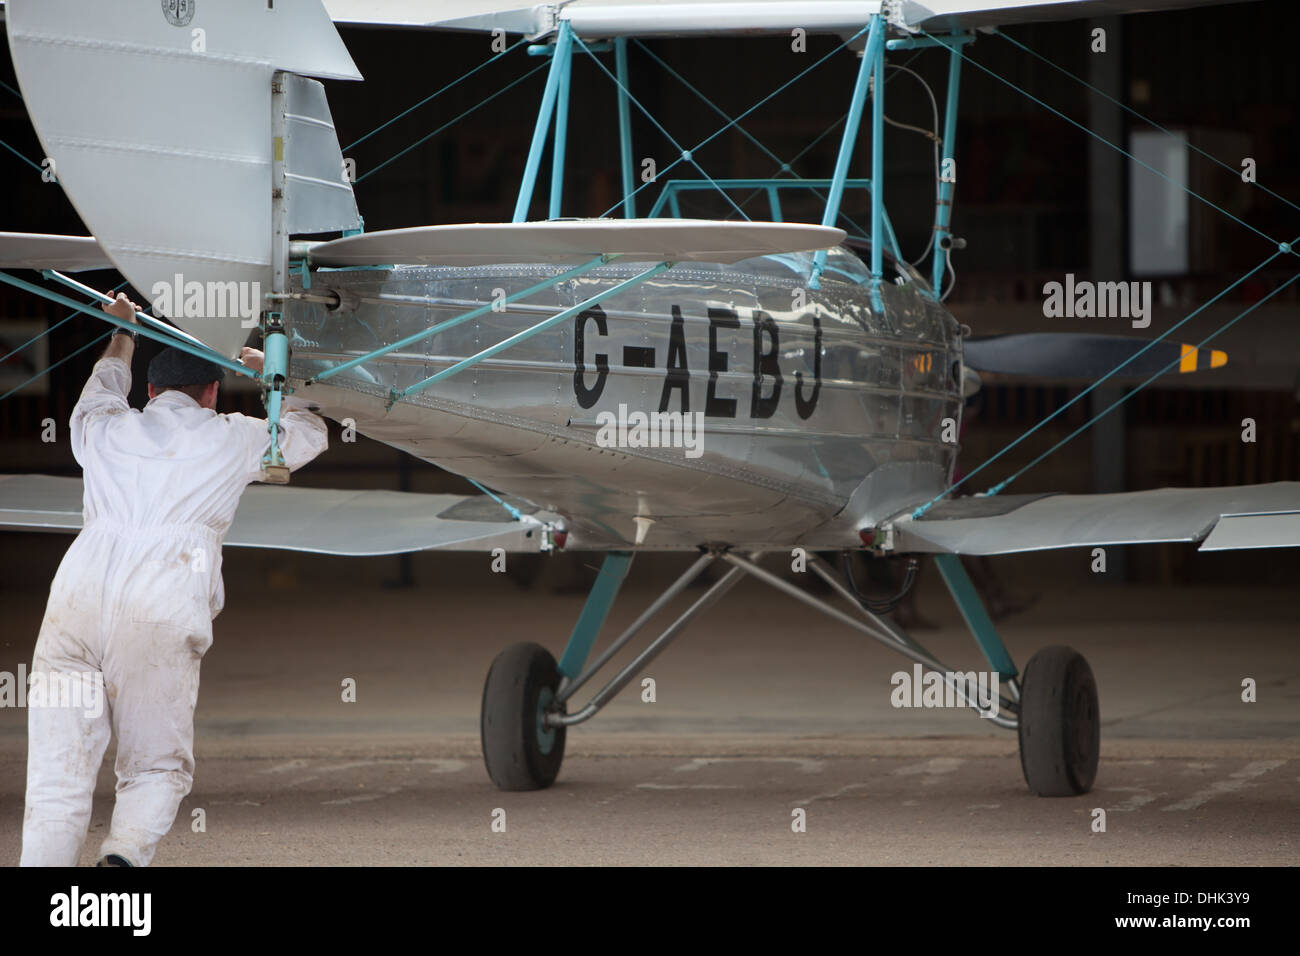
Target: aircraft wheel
[
  {"x": 520, "y": 751},
  {"x": 1060, "y": 723}
]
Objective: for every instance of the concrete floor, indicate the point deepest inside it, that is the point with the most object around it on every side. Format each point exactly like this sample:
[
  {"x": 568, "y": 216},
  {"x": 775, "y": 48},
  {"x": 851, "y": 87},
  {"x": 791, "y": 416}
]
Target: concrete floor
[{"x": 762, "y": 709}]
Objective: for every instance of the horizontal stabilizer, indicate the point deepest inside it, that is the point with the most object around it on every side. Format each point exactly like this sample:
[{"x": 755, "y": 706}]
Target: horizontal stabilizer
[
  {"x": 1084, "y": 356},
  {"x": 323, "y": 521},
  {"x": 29, "y": 250},
  {"x": 574, "y": 241},
  {"x": 1244, "y": 516}
]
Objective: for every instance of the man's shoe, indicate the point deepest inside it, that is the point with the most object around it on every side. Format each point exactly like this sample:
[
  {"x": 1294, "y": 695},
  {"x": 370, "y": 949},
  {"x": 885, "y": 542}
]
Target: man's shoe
[{"x": 113, "y": 860}]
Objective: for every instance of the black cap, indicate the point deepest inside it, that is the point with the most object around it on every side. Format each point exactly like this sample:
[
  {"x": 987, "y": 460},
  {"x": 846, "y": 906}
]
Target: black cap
[{"x": 172, "y": 367}]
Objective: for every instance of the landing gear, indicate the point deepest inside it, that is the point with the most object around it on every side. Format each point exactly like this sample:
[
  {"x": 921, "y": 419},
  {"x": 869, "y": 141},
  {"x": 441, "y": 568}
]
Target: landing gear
[
  {"x": 520, "y": 750},
  {"x": 1060, "y": 724},
  {"x": 1052, "y": 705}
]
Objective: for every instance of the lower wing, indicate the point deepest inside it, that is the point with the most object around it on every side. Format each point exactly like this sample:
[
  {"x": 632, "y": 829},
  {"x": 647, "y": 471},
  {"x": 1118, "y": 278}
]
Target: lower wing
[
  {"x": 325, "y": 521},
  {"x": 1222, "y": 519},
  {"x": 371, "y": 522}
]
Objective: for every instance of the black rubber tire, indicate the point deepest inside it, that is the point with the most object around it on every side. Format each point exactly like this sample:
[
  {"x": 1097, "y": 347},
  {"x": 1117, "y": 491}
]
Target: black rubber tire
[
  {"x": 516, "y": 758},
  {"x": 1060, "y": 723}
]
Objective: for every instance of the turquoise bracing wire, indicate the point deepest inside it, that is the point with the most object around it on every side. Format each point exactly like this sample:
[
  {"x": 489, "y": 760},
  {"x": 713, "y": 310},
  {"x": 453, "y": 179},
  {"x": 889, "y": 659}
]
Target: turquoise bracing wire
[
  {"x": 51, "y": 368},
  {"x": 1191, "y": 315},
  {"x": 41, "y": 335},
  {"x": 37, "y": 338},
  {"x": 1102, "y": 139},
  {"x": 685, "y": 154},
  {"x": 1124, "y": 398},
  {"x": 514, "y": 512},
  {"x": 433, "y": 96},
  {"x": 782, "y": 165},
  {"x": 1132, "y": 112},
  {"x": 35, "y": 166},
  {"x": 452, "y": 122},
  {"x": 708, "y": 139},
  {"x": 1283, "y": 248}
]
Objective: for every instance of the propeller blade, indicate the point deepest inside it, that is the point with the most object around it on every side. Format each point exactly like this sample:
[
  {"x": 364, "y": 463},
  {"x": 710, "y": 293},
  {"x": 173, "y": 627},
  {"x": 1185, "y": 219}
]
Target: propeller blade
[{"x": 1081, "y": 355}]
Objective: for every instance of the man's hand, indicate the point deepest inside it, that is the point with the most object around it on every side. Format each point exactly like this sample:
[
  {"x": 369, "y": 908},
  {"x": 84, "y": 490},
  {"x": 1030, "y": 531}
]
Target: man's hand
[
  {"x": 121, "y": 346},
  {"x": 253, "y": 358},
  {"x": 122, "y": 308}
]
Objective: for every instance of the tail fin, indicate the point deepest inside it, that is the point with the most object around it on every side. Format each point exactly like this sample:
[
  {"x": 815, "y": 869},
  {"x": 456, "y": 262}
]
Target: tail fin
[{"x": 158, "y": 120}]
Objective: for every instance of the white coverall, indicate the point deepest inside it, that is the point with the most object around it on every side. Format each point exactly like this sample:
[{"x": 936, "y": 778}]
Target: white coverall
[{"x": 134, "y": 598}]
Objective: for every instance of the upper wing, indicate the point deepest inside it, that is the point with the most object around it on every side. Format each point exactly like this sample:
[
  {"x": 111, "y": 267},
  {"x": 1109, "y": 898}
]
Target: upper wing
[
  {"x": 969, "y": 14},
  {"x": 518, "y": 16},
  {"x": 1244, "y": 516},
  {"x": 603, "y": 18},
  {"x": 606, "y": 18},
  {"x": 324, "y": 521},
  {"x": 574, "y": 240}
]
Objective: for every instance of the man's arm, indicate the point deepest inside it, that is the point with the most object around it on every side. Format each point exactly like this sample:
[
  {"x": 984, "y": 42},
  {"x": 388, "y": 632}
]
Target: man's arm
[
  {"x": 106, "y": 390},
  {"x": 121, "y": 346},
  {"x": 303, "y": 434}
]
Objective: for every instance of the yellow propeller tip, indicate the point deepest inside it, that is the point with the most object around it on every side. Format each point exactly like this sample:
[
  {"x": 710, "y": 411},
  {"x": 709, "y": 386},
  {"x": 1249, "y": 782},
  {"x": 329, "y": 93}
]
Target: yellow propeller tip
[{"x": 1190, "y": 354}]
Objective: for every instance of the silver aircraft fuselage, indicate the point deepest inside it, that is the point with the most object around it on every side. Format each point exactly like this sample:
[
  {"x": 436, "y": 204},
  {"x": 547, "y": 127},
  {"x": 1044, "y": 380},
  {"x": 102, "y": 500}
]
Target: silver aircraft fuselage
[{"x": 817, "y": 415}]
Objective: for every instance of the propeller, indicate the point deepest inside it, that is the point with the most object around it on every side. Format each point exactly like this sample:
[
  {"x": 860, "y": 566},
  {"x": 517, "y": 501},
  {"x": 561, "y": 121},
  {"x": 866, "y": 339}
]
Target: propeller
[{"x": 1082, "y": 355}]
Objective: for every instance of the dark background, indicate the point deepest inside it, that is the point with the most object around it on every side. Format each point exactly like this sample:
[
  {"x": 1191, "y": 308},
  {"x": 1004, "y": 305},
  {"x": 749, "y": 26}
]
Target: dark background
[{"x": 1029, "y": 189}]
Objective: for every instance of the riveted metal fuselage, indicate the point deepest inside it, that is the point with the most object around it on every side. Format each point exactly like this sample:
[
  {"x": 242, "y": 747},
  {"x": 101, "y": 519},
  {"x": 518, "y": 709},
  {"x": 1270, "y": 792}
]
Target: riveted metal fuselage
[{"x": 718, "y": 404}]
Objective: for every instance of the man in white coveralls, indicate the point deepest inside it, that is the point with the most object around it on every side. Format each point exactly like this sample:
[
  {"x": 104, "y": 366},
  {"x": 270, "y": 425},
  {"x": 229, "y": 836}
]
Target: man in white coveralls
[{"x": 135, "y": 595}]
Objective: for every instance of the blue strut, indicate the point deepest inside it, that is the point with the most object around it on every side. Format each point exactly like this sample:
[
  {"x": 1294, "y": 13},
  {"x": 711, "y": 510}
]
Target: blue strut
[
  {"x": 612, "y": 572},
  {"x": 560, "y": 63},
  {"x": 147, "y": 331},
  {"x": 275, "y": 373},
  {"x": 624, "y": 128},
  {"x": 875, "y": 50},
  {"x": 943, "y": 215},
  {"x": 977, "y": 618},
  {"x": 561, "y": 135}
]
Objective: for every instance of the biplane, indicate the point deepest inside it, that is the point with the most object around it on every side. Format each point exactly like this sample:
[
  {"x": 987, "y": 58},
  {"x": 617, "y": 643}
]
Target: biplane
[{"x": 826, "y": 375}]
